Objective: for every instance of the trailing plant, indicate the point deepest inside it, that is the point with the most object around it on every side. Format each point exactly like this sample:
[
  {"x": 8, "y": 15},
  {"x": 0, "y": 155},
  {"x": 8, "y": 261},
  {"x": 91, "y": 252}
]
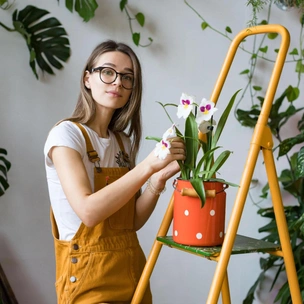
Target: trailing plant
[
  {"x": 86, "y": 10},
  {"x": 283, "y": 112}
]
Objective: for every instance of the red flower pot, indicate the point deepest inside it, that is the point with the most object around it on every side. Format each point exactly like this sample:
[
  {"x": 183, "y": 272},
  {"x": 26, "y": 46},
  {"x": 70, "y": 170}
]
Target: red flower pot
[{"x": 196, "y": 226}]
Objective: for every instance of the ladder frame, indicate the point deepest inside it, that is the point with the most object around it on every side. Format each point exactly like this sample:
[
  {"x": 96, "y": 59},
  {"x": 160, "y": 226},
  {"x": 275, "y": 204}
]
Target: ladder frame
[{"x": 261, "y": 140}]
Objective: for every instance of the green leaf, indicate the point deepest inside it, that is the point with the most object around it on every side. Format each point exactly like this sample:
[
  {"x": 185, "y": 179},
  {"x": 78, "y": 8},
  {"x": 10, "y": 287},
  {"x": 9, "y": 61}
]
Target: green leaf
[
  {"x": 198, "y": 186},
  {"x": 301, "y": 123},
  {"x": 86, "y": 9},
  {"x": 272, "y": 36},
  {"x": 302, "y": 20},
  {"x": 286, "y": 145},
  {"x": 69, "y": 5},
  {"x": 299, "y": 172},
  {"x": 257, "y": 88},
  {"x": 140, "y": 18},
  {"x": 245, "y": 72},
  {"x": 276, "y": 50},
  {"x": 264, "y": 22},
  {"x": 292, "y": 93},
  {"x": 248, "y": 118},
  {"x": 136, "y": 38},
  {"x": 228, "y": 30},
  {"x": 299, "y": 66},
  {"x": 220, "y": 160},
  {"x": 191, "y": 141},
  {"x": 264, "y": 49},
  {"x": 46, "y": 39},
  {"x": 223, "y": 119},
  {"x": 204, "y": 25},
  {"x": 122, "y": 4},
  {"x": 294, "y": 52}
]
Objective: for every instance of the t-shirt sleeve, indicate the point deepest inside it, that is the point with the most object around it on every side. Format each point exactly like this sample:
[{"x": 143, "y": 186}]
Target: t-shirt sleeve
[{"x": 66, "y": 134}]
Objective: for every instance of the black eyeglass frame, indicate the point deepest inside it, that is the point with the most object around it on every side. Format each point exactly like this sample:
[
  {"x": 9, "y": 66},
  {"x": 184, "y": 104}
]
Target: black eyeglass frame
[{"x": 99, "y": 69}]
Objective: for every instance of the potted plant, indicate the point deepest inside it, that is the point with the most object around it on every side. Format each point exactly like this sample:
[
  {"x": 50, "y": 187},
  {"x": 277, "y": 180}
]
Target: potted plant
[{"x": 198, "y": 190}]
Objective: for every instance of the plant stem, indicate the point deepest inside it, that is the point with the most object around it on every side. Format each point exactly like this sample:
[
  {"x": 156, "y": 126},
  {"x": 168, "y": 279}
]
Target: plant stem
[{"x": 7, "y": 28}]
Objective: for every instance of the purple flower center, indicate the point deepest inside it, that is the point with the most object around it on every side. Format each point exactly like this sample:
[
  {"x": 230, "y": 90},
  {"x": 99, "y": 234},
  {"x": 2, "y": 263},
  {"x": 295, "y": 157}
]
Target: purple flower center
[
  {"x": 185, "y": 102},
  {"x": 206, "y": 108},
  {"x": 164, "y": 144}
]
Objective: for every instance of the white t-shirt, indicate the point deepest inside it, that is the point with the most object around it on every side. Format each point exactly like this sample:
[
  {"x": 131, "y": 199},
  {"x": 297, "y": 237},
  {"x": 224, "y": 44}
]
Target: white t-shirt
[{"x": 67, "y": 134}]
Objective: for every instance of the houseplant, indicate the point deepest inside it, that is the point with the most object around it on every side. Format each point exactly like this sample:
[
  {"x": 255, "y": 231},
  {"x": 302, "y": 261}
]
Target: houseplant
[{"x": 198, "y": 171}]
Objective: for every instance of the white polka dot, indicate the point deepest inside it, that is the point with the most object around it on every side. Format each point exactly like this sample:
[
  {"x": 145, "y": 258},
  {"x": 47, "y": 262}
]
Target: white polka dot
[
  {"x": 199, "y": 236},
  {"x": 212, "y": 212},
  {"x": 186, "y": 212},
  {"x": 175, "y": 232},
  {"x": 221, "y": 234}
]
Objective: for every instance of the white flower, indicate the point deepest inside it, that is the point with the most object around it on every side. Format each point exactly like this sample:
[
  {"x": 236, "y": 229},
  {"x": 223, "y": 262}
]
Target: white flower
[
  {"x": 186, "y": 105},
  {"x": 206, "y": 126},
  {"x": 205, "y": 110},
  {"x": 170, "y": 133},
  {"x": 162, "y": 149}
]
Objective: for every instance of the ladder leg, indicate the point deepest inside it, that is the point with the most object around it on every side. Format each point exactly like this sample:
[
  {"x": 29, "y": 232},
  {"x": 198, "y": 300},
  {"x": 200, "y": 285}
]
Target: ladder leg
[
  {"x": 225, "y": 291},
  {"x": 151, "y": 261},
  {"x": 282, "y": 227}
]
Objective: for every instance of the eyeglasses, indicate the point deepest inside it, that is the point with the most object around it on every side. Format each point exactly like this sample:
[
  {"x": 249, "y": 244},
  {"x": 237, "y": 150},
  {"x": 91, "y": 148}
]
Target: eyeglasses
[{"x": 108, "y": 75}]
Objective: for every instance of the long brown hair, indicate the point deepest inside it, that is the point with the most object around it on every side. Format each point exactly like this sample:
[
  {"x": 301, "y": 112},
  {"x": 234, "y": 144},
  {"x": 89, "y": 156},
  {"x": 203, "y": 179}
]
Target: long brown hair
[{"x": 126, "y": 119}]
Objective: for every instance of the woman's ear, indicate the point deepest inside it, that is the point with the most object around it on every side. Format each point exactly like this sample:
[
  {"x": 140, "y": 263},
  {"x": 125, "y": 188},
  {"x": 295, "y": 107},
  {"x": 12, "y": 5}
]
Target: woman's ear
[{"x": 86, "y": 80}]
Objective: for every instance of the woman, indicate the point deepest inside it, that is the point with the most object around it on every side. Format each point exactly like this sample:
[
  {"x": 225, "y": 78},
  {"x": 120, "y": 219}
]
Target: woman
[{"x": 95, "y": 186}]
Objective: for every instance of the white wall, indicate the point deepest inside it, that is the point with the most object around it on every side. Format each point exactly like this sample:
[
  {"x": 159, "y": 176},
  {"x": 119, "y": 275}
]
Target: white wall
[{"x": 182, "y": 58}]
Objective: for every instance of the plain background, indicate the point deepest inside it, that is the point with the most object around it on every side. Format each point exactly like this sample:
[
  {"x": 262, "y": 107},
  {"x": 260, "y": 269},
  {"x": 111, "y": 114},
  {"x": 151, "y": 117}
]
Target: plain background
[{"x": 182, "y": 58}]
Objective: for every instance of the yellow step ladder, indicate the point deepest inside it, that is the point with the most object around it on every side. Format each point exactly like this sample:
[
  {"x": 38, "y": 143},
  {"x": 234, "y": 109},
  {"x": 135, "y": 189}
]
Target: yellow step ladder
[{"x": 233, "y": 243}]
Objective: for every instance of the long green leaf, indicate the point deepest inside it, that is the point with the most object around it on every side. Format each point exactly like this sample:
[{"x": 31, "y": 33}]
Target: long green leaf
[
  {"x": 221, "y": 159},
  {"x": 191, "y": 141},
  {"x": 198, "y": 186},
  {"x": 223, "y": 119}
]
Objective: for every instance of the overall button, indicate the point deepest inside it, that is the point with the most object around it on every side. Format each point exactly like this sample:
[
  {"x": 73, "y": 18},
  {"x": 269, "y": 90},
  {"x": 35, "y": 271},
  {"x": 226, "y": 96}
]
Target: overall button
[
  {"x": 73, "y": 279},
  {"x": 75, "y": 247},
  {"x": 74, "y": 260}
]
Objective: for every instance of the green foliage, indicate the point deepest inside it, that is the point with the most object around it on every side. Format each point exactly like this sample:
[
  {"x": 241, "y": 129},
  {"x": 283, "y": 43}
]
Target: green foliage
[
  {"x": 85, "y": 8},
  {"x": 139, "y": 18},
  {"x": 46, "y": 39},
  {"x": 5, "y": 165}
]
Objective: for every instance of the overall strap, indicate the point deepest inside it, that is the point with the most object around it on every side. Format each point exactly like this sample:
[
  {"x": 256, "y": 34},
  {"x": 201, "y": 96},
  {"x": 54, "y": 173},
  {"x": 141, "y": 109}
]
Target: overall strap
[{"x": 92, "y": 154}]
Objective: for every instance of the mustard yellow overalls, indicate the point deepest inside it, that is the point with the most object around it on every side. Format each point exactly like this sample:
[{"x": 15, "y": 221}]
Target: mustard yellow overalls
[{"x": 101, "y": 264}]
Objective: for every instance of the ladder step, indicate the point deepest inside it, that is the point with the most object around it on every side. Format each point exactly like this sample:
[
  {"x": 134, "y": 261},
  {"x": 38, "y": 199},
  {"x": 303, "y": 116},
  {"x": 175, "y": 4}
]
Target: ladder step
[{"x": 242, "y": 244}]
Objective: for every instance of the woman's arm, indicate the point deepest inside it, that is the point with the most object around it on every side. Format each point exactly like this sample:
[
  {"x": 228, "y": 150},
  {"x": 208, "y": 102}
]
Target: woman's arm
[
  {"x": 92, "y": 208},
  {"x": 146, "y": 203}
]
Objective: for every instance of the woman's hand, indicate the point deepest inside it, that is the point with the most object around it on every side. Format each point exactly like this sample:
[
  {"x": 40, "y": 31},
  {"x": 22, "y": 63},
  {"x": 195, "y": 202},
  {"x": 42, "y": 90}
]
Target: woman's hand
[{"x": 168, "y": 167}]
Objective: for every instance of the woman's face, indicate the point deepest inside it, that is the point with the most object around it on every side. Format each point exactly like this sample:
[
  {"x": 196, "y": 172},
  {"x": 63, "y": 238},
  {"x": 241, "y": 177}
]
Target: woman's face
[{"x": 113, "y": 95}]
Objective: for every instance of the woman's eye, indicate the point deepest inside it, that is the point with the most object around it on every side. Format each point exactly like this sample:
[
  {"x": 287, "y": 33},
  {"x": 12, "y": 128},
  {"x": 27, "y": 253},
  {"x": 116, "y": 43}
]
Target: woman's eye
[
  {"x": 107, "y": 72},
  {"x": 128, "y": 77}
]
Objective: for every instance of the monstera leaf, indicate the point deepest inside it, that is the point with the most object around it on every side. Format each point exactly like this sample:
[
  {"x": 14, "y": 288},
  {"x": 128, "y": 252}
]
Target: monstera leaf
[
  {"x": 46, "y": 39},
  {"x": 5, "y": 165},
  {"x": 85, "y": 8}
]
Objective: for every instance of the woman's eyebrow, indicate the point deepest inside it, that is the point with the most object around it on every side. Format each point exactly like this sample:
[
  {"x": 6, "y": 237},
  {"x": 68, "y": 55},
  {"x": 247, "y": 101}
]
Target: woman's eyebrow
[{"x": 114, "y": 66}]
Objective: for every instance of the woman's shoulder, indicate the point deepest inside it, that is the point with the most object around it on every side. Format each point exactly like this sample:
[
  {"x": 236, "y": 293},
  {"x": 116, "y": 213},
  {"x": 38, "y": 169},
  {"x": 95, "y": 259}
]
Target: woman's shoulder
[{"x": 65, "y": 133}]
